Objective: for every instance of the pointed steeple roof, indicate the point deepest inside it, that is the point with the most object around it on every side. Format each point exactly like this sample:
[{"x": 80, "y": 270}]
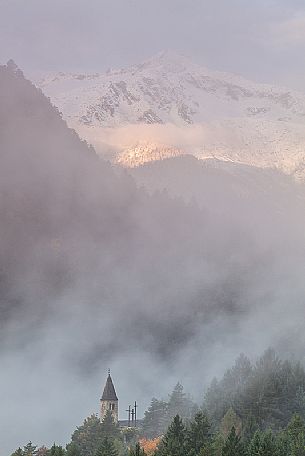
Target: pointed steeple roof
[{"x": 109, "y": 393}]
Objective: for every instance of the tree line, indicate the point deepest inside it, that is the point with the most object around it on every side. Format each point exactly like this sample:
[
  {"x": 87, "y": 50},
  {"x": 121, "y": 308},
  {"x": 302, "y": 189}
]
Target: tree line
[
  {"x": 194, "y": 438},
  {"x": 255, "y": 409}
]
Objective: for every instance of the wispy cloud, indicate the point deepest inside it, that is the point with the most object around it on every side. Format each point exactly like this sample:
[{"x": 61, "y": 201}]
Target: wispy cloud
[{"x": 290, "y": 32}]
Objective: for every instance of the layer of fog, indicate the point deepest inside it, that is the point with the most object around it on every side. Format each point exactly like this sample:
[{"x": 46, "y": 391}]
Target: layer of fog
[
  {"x": 97, "y": 274},
  {"x": 247, "y": 141}
]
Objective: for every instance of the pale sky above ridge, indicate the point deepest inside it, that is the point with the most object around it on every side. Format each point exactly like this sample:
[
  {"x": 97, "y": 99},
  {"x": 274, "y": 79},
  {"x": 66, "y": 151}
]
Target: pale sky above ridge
[{"x": 263, "y": 40}]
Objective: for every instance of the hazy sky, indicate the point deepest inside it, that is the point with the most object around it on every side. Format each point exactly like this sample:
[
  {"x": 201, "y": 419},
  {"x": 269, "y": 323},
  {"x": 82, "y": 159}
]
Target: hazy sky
[{"x": 261, "y": 39}]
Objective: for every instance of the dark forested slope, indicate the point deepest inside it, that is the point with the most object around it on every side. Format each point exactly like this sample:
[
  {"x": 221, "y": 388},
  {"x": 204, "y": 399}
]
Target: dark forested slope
[{"x": 70, "y": 225}]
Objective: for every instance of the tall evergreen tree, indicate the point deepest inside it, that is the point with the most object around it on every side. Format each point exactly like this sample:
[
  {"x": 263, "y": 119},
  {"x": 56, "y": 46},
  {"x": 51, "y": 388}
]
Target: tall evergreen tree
[
  {"x": 198, "y": 434},
  {"x": 88, "y": 437},
  {"x": 174, "y": 441},
  {"x": 180, "y": 404},
  {"x": 137, "y": 451},
  {"x": 296, "y": 426},
  {"x": 249, "y": 428},
  {"x": 268, "y": 444},
  {"x": 254, "y": 447},
  {"x": 29, "y": 449},
  {"x": 73, "y": 450},
  {"x": 155, "y": 419},
  {"x": 18, "y": 452},
  {"x": 297, "y": 446},
  {"x": 56, "y": 450},
  {"x": 232, "y": 445},
  {"x": 296, "y": 433},
  {"x": 216, "y": 445},
  {"x": 108, "y": 427},
  {"x": 230, "y": 420},
  {"x": 106, "y": 448},
  {"x": 282, "y": 444}
]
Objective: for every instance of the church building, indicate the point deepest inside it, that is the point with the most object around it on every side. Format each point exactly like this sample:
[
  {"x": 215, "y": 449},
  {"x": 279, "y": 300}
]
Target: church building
[{"x": 109, "y": 400}]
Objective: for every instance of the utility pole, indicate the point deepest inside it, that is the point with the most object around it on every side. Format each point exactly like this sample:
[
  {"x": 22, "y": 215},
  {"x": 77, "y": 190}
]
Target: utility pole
[
  {"x": 129, "y": 412},
  {"x": 132, "y": 417},
  {"x": 135, "y": 413}
]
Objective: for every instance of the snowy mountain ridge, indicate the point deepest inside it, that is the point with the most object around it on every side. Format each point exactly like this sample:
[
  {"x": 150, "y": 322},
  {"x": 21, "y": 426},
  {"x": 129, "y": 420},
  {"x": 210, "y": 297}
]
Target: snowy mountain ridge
[{"x": 171, "y": 102}]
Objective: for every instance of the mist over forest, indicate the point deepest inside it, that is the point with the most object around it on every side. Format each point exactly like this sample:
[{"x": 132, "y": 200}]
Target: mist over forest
[
  {"x": 152, "y": 226},
  {"x": 97, "y": 271}
]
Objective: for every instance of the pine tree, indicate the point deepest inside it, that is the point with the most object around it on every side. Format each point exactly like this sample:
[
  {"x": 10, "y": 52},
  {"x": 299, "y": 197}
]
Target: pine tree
[
  {"x": 107, "y": 448},
  {"x": 254, "y": 447},
  {"x": 108, "y": 427},
  {"x": 230, "y": 420},
  {"x": 174, "y": 441},
  {"x": 268, "y": 444},
  {"x": 180, "y": 404},
  {"x": 296, "y": 426},
  {"x": 297, "y": 446},
  {"x": 216, "y": 444},
  {"x": 206, "y": 450},
  {"x": 73, "y": 450},
  {"x": 262, "y": 444},
  {"x": 56, "y": 450},
  {"x": 282, "y": 444},
  {"x": 137, "y": 451},
  {"x": 198, "y": 433},
  {"x": 29, "y": 449},
  {"x": 18, "y": 452},
  {"x": 88, "y": 437},
  {"x": 215, "y": 407},
  {"x": 155, "y": 419},
  {"x": 232, "y": 445},
  {"x": 296, "y": 433},
  {"x": 249, "y": 428}
]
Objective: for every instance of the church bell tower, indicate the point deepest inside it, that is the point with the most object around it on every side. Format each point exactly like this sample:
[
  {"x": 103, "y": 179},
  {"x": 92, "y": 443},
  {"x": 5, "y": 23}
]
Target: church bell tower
[{"x": 109, "y": 400}]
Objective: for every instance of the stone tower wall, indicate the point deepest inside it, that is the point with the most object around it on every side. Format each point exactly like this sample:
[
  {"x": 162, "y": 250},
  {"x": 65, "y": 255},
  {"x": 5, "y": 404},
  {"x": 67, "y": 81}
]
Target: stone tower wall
[{"x": 113, "y": 406}]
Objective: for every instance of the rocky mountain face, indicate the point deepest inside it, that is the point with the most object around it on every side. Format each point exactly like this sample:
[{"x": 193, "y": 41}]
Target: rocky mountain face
[{"x": 170, "y": 104}]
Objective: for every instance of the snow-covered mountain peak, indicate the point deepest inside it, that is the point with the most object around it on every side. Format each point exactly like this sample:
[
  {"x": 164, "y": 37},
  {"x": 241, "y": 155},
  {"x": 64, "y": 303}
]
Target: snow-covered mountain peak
[
  {"x": 189, "y": 108},
  {"x": 166, "y": 61},
  {"x": 167, "y": 88}
]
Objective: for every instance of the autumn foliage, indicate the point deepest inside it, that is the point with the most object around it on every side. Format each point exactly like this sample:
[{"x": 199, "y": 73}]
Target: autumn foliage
[{"x": 149, "y": 446}]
